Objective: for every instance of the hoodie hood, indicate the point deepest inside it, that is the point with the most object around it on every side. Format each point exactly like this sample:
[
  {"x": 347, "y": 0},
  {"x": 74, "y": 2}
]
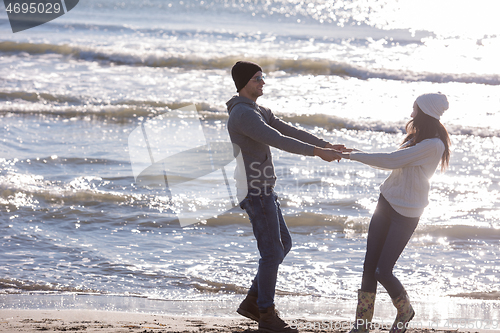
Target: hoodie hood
[{"x": 236, "y": 99}]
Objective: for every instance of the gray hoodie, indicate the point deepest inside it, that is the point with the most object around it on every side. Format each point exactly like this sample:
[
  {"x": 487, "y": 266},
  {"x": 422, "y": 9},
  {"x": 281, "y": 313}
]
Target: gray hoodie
[{"x": 253, "y": 128}]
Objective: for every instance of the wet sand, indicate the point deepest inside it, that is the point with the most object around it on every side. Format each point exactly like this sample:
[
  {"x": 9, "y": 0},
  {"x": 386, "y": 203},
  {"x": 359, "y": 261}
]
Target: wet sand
[{"x": 108, "y": 321}]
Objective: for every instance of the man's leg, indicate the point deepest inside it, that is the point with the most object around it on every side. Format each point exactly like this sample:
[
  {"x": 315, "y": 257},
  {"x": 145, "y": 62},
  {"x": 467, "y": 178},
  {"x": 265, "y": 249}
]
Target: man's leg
[
  {"x": 254, "y": 289},
  {"x": 286, "y": 240},
  {"x": 263, "y": 211},
  {"x": 277, "y": 243},
  {"x": 267, "y": 223},
  {"x": 248, "y": 307},
  {"x": 273, "y": 242}
]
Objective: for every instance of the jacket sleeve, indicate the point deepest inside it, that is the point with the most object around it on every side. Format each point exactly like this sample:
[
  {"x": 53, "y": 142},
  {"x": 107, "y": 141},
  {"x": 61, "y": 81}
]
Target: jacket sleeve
[
  {"x": 416, "y": 155},
  {"x": 252, "y": 124}
]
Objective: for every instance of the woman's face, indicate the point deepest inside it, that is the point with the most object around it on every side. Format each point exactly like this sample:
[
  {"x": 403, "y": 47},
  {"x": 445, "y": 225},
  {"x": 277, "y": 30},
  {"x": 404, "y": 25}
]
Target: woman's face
[{"x": 415, "y": 110}]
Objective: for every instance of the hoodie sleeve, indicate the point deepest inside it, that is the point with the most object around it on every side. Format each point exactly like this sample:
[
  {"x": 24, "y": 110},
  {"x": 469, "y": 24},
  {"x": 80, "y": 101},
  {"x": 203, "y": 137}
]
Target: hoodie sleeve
[
  {"x": 252, "y": 124},
  {"x": 292, "y": 131},
  {"x": 416, "y": 155}
]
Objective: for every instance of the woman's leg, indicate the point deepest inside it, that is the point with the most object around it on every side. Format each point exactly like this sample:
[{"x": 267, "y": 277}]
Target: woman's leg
[
  {"x": 377, "y": 234},
  {"x": 388, "y": 234},
  {"x": 400, "y": 231}
]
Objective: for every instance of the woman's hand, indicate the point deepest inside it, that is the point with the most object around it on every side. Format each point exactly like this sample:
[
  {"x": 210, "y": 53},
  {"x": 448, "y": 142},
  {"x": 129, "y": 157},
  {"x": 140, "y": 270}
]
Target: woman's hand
[
  {"x": 346, "y": 155},
  {"x": 340, "y": 148}
]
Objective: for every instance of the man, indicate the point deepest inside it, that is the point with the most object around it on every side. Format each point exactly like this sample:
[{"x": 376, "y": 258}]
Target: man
[{"x": 253, "y": 128}]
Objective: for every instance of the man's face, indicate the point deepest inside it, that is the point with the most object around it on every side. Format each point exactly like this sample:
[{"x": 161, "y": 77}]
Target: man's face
[{"x": 253, "y": 88}]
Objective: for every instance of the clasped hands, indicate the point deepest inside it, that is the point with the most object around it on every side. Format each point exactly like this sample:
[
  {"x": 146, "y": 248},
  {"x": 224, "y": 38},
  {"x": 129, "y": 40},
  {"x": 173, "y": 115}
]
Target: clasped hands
[{"x": 332, "y": 152}]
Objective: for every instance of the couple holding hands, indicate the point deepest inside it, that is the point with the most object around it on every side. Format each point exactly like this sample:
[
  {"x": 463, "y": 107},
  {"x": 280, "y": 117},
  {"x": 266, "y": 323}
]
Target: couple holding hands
[{"x": 403, "y": 195}]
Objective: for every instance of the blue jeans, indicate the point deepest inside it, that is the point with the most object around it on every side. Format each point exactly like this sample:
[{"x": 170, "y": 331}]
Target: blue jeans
[
  {"x": 273, "y": 241},
  {"x": 388, "y": 234}
]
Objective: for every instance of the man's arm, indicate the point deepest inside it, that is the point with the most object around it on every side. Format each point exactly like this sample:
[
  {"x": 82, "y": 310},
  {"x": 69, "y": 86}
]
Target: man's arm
[
  {"x": 252, "y": 124},
  {"x": 304, "y": 136}
]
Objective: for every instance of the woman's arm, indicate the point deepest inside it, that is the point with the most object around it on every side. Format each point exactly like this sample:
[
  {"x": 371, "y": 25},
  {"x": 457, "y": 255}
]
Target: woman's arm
[{"x": 419, "y": 154}]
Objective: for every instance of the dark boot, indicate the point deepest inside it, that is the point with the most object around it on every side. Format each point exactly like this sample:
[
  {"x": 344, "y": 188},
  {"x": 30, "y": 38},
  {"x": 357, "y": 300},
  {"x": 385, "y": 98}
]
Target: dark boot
[
  {"x": 405, "y": 313},
  {"x": 364, "y": 312},
  {"x": 269, "y": 322},
  {"x": 248, "y": 308}
]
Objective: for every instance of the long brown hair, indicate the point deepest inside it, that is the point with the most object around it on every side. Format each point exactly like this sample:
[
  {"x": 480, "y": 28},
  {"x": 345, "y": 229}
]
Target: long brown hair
[{"x": 423, "y": 127}]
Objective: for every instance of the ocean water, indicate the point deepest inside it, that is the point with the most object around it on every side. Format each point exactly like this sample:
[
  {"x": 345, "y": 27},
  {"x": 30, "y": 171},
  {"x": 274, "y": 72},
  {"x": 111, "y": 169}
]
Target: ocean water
[{"x": 78, "y": 230}]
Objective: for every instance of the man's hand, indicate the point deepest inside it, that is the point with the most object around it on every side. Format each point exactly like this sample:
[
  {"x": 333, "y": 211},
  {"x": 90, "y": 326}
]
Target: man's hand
[
  {"x": 327, "y": 154},
  {"x": 339, "y": 147}
]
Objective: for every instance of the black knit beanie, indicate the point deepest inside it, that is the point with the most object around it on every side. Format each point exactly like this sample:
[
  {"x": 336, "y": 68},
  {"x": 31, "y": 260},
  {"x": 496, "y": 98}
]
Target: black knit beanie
[{"x": 242, "y": 72}]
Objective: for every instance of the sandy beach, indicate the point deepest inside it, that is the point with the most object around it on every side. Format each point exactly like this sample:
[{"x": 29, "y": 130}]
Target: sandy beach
[{"x": 108, "y": 321}]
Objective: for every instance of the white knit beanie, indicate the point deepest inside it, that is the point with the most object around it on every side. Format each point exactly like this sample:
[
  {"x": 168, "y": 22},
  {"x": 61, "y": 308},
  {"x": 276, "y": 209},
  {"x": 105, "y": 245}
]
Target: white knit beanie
[{"x": 433, "y": 105}]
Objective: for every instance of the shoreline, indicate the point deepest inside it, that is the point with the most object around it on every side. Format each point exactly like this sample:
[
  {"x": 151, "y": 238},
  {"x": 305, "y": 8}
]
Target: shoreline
[
  {"x": 112, "y": 313},
  {"x": 37, "y": 320}
]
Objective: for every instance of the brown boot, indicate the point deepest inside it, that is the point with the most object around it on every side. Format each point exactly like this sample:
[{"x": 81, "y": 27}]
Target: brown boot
[
  {"x": 269, "y": 322},
  {"x": 248, "y": 308}
]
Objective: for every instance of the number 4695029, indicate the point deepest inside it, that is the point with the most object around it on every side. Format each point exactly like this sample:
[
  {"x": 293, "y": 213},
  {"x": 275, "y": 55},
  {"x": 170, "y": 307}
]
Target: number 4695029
[{"x": 33, "y": 8}]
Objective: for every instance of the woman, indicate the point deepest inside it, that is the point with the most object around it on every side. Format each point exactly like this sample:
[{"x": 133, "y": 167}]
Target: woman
[{"x": 403, "y": 197}]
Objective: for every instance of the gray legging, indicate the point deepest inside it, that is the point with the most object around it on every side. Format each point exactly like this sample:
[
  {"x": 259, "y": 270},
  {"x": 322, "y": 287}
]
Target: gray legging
[{"x": 388, "y": 234}]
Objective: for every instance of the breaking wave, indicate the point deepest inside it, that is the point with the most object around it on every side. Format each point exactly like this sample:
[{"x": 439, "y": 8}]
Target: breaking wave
[{"x": 293, "y": 66}]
